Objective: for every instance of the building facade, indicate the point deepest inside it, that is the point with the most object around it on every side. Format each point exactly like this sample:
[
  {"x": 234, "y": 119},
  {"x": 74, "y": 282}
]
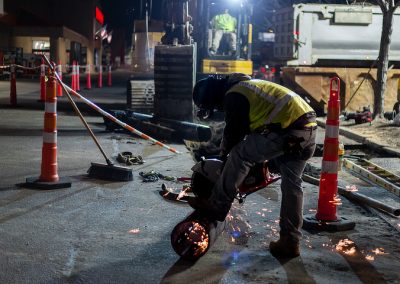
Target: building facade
[{"x": 63, "y": 30}]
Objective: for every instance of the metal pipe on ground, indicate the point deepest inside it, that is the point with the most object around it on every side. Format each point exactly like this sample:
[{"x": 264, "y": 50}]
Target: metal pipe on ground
[
  {"x": 180, "y": 130},
  {"x": 358, "y": 197},
  {"x": 119, "y": 122},
  {"x": 192, "y": 237}
]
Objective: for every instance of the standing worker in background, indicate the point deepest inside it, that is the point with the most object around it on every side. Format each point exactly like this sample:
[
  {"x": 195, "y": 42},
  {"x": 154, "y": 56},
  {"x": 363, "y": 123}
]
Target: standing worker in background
[
  {"x": 223, "y": 24},
  {"x": 264, "y": 121}
]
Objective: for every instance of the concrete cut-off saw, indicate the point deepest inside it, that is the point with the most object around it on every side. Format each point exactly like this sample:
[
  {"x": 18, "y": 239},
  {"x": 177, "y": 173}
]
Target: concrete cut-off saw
[
  {"x": 192, "y": 237},
  {"x": 206, "y": 173}
]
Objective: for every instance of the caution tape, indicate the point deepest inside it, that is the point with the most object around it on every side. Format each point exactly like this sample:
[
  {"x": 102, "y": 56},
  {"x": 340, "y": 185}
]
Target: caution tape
[{"x": 109, "y": 116}]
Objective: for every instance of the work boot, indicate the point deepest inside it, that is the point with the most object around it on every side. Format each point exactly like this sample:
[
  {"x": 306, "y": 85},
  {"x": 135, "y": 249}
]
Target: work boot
[
  {"x": 284, "y": 248},
  {"x": 204, "y": 207}
]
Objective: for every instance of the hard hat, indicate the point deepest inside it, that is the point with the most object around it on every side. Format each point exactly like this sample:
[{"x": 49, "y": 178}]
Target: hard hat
[
  {"x": 209, "y": 93},
  {"x": 202, "y": 93}
]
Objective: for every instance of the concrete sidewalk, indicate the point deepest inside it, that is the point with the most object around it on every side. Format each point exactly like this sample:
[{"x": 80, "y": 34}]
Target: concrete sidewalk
[{"x": 119, "y": 232}]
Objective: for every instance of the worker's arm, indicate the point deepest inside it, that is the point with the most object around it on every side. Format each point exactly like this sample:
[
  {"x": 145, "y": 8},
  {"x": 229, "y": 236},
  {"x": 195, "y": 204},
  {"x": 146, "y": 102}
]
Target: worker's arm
[
  {"x": 236, "y": 108},
  {"x": 212, "y": 23}
]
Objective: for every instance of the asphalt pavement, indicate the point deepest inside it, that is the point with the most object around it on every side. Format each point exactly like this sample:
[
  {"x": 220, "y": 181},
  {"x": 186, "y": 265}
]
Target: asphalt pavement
[{"x": 100, "y": 231}]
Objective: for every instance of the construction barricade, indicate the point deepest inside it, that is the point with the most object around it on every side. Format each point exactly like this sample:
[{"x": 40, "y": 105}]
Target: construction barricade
[
  {"x": 326, "y": 218},
  {"x": 77, "y": 80},
  {"x": 49, "y": 178},
  {"x": 88, "y": 78},
  {"x": 100, "y": 78},
  {"x": 59, "y": 72},
  {"x": 13, "y": 86},
  {"x": 42, "y": 82},
  {"x": 109, "y": 80},
  {"x": 73, "y": 76},
  {"x": 12, "y": 70}
]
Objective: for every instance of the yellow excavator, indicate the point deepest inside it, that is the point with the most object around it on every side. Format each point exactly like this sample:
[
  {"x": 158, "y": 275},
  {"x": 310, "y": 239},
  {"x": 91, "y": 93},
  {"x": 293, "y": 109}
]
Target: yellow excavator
[
  {"x": 191, "y": 22},
  {"x": 185, "y": 54},
  {"x": 224, "y": 60}
]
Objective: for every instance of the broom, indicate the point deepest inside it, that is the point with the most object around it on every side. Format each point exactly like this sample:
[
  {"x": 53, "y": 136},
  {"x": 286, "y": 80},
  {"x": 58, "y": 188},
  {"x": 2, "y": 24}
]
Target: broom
[{"x": 100, "y": 171}]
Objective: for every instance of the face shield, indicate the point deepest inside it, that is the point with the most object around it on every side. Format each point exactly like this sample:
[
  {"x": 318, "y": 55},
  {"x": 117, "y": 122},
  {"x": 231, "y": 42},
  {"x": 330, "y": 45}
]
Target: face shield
[{"x": 205, "y": 97}]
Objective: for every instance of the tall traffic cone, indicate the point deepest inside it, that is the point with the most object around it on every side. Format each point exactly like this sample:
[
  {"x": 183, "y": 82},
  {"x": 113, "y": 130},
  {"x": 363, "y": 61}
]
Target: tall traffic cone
[
  {"x": 88, "y": 79},
  {"x": 109, "y": 82},
  {"x": 78, "y": 85},
  {"x": 59, "y": 72},
  {"x": 100, "y": 78},
  {"x": 326, "y": 218},
  {"x": 13, "y": 86},
  {"x": 49, "y": 178},
  {"x": 73, "y": 76},
  {"x": 42, "y": 82}
]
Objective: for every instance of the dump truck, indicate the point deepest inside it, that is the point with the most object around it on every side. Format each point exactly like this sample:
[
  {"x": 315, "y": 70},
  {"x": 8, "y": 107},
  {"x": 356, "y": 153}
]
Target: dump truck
[{"x": 314, "y": 42}]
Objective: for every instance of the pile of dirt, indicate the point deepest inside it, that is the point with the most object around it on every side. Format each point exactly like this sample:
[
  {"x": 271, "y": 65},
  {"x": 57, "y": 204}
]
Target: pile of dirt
[{"x": 380, "y": 131}]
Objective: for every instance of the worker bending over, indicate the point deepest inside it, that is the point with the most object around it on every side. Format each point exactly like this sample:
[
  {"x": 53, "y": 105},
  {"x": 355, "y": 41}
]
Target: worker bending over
[{"x": 264, "y": 121}]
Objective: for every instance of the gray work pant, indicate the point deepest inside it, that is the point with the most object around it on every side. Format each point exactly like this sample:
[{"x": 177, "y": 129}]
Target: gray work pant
[
  {"x": 216, "y": 40},
  {"x": 257, "y": 148}
]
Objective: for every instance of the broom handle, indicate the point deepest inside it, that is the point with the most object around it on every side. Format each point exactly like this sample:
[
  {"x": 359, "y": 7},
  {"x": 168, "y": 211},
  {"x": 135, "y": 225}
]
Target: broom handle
[
  {"x": 124, "y": 125},
  {"x": 108, "y": 161},
  {"x": 112, "y": 118}
]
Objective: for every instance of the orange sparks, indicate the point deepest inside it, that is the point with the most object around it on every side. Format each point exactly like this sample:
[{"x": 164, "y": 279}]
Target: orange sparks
[
  {"x": 182, "y": 193},
  {"x": 336, "y": 201},
  {"x": 350, "y": 251},
  {"x": 370, "y": 257},
  {"x": 134, "y": 231},
  {"x": 346, "y": 246},
  {"x": 379, "y": 251},
  {"x": 351, "y": 188},
  {"x": 199, "y": 237}
]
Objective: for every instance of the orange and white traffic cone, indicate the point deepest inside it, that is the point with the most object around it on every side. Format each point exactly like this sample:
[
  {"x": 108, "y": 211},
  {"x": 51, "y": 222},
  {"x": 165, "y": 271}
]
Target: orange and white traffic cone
[
  {"x": 78, "y": 85},
  {"x": 73, "y": 73},
  {"x": 42, "y": 82},
  {"x": 326, "y": 218},
  {"x": 100, "y": 78},
  {"x": 109, "y": 82},
  {"x": 13, "y": 86},
  {"x": 59, "y": 72},
  {"x": 88, "y": 79},
  {"x": 49, "y": 178}
]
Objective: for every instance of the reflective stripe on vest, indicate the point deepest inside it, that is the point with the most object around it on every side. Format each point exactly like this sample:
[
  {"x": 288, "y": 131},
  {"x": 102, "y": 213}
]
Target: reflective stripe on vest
[{"x": 271, "y": 103}]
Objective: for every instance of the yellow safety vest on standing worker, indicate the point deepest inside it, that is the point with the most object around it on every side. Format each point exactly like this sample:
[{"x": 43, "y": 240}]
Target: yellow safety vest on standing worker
[
  {"x": 224, "y": 22},
  {"x": 271, "y": 103}
]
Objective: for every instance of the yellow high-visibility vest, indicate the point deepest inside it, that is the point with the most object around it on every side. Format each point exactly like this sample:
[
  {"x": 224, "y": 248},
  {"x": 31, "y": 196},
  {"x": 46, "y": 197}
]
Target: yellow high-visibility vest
[
  {"x": 271, "y": 103},
  {"x": 224, "y": 22}
]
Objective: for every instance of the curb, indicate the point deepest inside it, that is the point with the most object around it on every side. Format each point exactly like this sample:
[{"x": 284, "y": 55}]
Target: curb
[{"x": 365, "y": 141}]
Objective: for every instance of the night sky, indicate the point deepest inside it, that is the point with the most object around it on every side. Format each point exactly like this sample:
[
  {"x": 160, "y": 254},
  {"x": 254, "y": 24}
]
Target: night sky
[{"x": 122, "y": 13}]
